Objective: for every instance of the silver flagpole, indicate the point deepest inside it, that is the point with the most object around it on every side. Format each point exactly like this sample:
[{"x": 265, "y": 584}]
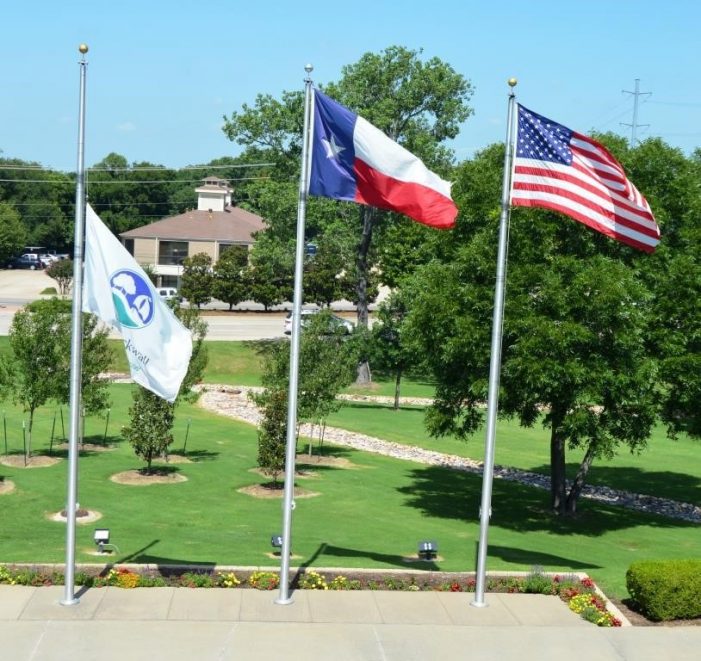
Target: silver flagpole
[
  {"x": 495, "y": 359},
  {"x": 288, "y": 502},
  {"x": 69, "y": 598}
]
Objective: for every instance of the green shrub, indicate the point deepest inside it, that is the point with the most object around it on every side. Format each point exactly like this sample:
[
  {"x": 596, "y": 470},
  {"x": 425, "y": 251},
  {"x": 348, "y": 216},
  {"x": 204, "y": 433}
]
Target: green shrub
[{"x": 666, "y": 589}]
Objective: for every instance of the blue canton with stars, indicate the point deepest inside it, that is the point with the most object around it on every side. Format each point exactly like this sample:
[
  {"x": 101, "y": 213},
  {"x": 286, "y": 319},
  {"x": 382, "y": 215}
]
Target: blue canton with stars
[{"x": 542, "y": 139}]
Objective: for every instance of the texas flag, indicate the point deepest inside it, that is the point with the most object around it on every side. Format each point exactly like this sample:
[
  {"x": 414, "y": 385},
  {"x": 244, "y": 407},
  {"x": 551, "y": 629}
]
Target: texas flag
[{"x": 353, "y": 160}]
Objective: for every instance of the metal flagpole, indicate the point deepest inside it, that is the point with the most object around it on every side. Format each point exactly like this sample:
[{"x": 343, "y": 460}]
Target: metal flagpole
[
  {"x": 288, "y": 501},
  {"x": 69, "y": 598},
  {"x": 495, "y": 359}
]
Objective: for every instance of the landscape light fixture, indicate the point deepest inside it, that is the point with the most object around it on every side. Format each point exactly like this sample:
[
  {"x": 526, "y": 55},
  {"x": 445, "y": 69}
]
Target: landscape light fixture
[
  {"x": 428, "y": 550},
  {"x": 102, "y": 538},
  {"x": 276, "y": 541}
]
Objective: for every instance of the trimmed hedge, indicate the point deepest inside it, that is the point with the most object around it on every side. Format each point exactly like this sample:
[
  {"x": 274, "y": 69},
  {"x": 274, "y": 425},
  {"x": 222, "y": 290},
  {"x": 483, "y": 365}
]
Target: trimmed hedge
[{"x": 666, "y": 589}]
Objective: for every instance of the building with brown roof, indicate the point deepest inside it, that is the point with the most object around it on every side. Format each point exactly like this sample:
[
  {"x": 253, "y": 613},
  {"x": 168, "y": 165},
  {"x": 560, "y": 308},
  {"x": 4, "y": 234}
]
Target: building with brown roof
[{"x": 215, "y": 226}]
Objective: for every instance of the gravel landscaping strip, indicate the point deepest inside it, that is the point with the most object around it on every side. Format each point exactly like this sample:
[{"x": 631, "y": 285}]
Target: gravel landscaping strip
[{"x": 233, "y": 401}]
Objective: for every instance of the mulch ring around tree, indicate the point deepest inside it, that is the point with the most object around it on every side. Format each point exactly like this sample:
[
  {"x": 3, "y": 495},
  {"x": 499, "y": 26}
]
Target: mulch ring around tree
[
  {"x": 275, "y": 490},
  {"x": 81, "y": 516},
  {"x": 140, "y": 478},
  {"x": 6, "y": 486},
  {"x": 317, "y": 460},
  {"x": 36, "y": 461}
]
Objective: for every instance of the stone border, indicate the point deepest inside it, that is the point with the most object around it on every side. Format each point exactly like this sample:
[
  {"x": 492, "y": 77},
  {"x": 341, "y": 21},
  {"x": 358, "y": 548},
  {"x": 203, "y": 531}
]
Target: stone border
[{"x": 233, "y": 402}]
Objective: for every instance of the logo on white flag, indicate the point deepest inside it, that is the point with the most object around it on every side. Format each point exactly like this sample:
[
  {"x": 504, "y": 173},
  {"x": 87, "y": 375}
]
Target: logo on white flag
[
  {"x": 118, "y": 291},
  {"x": 133, "y": 301}
]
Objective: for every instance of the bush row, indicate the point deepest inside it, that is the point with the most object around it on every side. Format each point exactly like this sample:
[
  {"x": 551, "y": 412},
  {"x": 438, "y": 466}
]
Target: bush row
[{"x": 666, "y": 589}]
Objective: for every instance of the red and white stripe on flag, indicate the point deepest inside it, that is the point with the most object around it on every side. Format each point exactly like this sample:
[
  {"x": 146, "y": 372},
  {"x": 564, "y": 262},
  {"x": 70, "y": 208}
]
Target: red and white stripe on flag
[{"x": 559, "y": 169}]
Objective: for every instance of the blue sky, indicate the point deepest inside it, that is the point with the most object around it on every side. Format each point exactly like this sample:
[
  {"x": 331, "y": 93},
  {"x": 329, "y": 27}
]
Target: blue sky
[{"x": 162, "y": 74}]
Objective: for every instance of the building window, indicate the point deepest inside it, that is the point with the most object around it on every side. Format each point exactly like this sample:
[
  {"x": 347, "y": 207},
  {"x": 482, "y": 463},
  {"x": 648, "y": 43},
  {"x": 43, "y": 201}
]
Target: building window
[
  {"x": 129, "y": 245},
  {"x": 172, "y": 253},
  {"x": 169, "y": 281}
]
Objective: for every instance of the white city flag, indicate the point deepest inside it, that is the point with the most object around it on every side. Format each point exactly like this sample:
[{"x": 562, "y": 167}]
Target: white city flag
[{"x": 119, "y": 292}]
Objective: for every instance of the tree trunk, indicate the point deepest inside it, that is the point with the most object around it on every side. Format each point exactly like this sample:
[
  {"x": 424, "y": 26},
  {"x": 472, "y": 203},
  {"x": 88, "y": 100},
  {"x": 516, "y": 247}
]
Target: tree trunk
[
  {"x": 579, "y": 480},
  {"x": 397, "y": 383},
  {"x": 368, "y": 216},
  {"x": 557, "y": 467}
]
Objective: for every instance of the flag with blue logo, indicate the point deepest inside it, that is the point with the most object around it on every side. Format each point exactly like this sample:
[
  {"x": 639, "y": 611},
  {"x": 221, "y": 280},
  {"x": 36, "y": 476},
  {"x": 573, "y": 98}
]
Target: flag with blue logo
[{"x": 118, "y": 291}]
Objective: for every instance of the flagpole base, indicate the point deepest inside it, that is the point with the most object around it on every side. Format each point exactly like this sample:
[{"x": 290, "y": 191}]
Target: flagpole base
[
  {"x": 284, "y": 601},
  {"x": 74, "y": 601},
  {"x": 479, "y": 604}
]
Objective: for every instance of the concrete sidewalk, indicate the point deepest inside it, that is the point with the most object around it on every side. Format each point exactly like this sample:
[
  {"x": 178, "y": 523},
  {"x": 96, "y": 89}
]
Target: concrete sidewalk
[{"x": 201, "y": 624}]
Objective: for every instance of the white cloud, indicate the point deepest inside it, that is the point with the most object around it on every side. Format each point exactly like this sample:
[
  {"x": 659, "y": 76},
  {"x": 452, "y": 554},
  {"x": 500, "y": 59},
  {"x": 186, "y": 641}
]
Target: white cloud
[{"x": 126, "y": 127}]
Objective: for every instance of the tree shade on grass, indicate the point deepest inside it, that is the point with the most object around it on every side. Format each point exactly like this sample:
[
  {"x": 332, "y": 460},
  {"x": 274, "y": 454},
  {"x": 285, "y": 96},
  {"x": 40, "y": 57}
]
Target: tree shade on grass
[
  {"x": 666, "y": 468},
  {"x": 370, "y": 515}
]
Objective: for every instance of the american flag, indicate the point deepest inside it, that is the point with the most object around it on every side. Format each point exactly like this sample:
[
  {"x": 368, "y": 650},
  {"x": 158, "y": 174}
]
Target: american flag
[{"x": 560, "y": 169}]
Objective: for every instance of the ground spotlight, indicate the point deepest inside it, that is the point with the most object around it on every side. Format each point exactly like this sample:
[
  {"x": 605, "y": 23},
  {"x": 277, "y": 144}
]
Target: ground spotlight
[
  {"x": 428, "y": 550},
  {"x": 102, "y": 538},
  {"x": 276, "y": 541}
]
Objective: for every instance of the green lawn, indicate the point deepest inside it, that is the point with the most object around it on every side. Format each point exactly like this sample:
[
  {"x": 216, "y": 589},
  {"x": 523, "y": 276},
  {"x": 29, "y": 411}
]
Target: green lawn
[
  {"x": 667, "y": 468},
  {"x": 370, "y": 515}
]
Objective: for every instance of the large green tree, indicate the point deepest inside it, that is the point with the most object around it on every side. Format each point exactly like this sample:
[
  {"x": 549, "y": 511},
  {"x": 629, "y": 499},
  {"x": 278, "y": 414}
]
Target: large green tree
[
  {"x": 576, "y": 320},
  {"x": 418, "y": 103}
]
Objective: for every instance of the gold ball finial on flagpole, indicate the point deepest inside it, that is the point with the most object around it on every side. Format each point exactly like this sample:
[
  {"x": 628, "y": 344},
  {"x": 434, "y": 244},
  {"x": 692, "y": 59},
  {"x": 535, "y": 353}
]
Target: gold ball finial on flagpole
[
  {"x": 512, "y": 82},
  {"x": 83, "y": 48}
]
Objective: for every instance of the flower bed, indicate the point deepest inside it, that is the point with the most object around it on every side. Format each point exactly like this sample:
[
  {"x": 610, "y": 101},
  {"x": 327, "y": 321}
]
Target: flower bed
[{"x": 580, "y": 593}]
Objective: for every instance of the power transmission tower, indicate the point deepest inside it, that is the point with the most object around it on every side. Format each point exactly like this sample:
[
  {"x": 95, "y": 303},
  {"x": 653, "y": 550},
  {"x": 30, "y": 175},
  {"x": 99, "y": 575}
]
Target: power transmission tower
[{"x": 634, "y": 126}]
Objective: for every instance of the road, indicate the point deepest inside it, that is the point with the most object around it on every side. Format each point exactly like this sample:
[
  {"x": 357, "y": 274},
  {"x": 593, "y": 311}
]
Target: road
[{"x": 17, "y": 288}]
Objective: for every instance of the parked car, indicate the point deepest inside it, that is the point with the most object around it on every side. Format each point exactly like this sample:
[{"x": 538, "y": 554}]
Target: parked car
[
  {"x": 28, "y": 261},
  {"x": 168, "y": 292},
  {"x": 337, "y": 324},
  {"x": 48, "y": 258}
]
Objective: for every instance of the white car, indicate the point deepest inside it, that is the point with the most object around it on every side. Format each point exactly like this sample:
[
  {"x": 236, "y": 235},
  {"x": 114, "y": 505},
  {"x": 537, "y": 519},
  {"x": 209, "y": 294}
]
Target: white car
[
  {"x": 168, "y": 292},
  {"x": 337, "y": 323}
]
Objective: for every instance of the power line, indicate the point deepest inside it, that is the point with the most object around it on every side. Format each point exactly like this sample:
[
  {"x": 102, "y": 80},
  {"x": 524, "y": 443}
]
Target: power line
[
  {"x": 158, "y": 168},
  {"x": 96, "y": 182}
]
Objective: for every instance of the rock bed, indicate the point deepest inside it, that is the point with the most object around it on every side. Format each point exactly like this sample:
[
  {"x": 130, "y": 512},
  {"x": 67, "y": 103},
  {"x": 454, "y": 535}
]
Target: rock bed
[{"x": 234, "y": 402}]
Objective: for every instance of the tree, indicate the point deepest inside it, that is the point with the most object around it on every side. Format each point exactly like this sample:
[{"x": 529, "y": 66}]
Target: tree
[
  {"x": 150, "y": 432},
  {"x": 326, "y": 271},
  {"x": 419, "y": 104},
  {"x": 272, "y": 434},
  {"x": 13, "y": 235},
  {"x": 40, "y": 339},
  {"x": 197, "y": 279},
  {"x": 270, "y": 272},
  {"x": 62, "y": 272},
  {"x": 576, "y": 319},
  {"x": 390, "y": 350},
  {"x": 230, "y": 284},
  {"x": 327, "y": 362},
  {"x": 152, "y": 417},
  {"x": 192, "y": 320}
]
